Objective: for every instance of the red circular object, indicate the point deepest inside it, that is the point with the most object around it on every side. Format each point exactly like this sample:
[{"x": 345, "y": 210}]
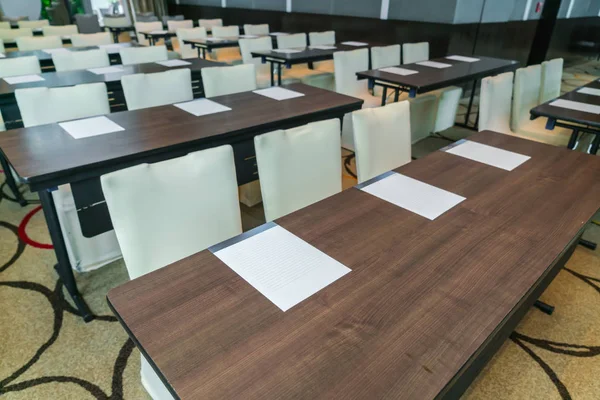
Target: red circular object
[{"x": 23, "y": 233}]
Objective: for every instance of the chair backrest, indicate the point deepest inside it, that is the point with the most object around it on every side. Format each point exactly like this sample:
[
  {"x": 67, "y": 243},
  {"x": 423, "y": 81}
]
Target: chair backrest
[
  {"x": 219, "y": 81},
  {"x": 346, "y": 65},
  {"x": 247, "y": 46},
  {"x": 182, "y": 206},
  {"x": 44, "y": 105},
  {"x": 2, "y": 49},
  {"x": 91, "y": 39},
  {"x": 290, "y": 41},
  {"x": 75, "y": 60},
  {"x": 87, "y": 23},
  {"x": 526, "y": 94},
  {"x": 146, "y": 27},
  {"x": 322, "y": 38},
  {"x": 116, "y": 22},
  {"x": 415, "y": 52},
  {"x": 385, "y": 56},
  {"x": 210, "y": 23},
  {"x": 232, "y": 31},
  {"x": 259, "y": 30},
  {"x": 29, "y": 43},
  {"x": 287, "y": 181},
  {"x": 11, "y": 35},
  {"x": 186, "y": 50},
  {"x": 64, "y": 30},
  {"x": 5, "y": 25},
  {"x": 495, "y": 103},
  {"x": 33, "y": 24},
  {"x": 168, "y": 18},
  {"x": 158, "y": 89},
  {"x": 173, "y": 25},
  {"x": 29, "y": 65},
  {"x": 551, "y": 80},
  {"x": 147, "y": 18},
  {"x": 140, "y": 55}
]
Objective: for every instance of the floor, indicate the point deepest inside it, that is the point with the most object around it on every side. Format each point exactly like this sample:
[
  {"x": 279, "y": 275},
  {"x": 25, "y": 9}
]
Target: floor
[{"x": 46, "y": 352}]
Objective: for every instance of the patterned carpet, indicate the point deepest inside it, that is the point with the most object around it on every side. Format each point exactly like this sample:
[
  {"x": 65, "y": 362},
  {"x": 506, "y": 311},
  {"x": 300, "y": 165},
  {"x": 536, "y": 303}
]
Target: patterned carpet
[{"x": 46, "y": 352}]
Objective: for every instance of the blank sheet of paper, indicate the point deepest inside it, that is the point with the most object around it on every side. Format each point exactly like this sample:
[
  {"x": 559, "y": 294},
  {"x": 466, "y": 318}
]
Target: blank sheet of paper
[
  {"x": 2, "y": 55},
  {"x": 434, "y": 64},
  {"x": 489, "y": 155},
  {"x": 13, "y": 80},
  {"x": 247, "y": 36},
  {"x": 421, "y": 198},
  {"x": 398, "y": 71},
  {"x": 357, "y": 44},
  {"x": 114, "y": 69},
  {"x": 52, "y": 51},
  {"x": 278, "y": 93},
  {"x": 202, "y": 107},
  {"x": 323, "y": 47},
  {"x": 576, "y": 105},
  {"x": 114, "y": 48},
  {"x": 463, "y": 58},
  {"x": 279, "y": 34},
  {"x": 88, "y": 127},
  {"x": 287, "y": 51},
  {"x": 173, "y": 63},
  {"x": 281, "y": 266},
  {"x": 159, "y": 32},
  {"x": 587, "y": 90}
]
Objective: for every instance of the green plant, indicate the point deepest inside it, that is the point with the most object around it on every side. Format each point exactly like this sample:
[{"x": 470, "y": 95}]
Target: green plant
[{"x": 76, "y": 7}]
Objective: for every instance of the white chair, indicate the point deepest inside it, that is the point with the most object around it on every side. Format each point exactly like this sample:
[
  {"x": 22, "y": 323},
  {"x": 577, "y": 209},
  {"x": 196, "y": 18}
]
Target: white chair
[
  {"x": 415, "y": 52},
  {"x": 76, "y": 60},
  {"x": 141, "y": 55},
  {"x": 526, "y": 96},
  {"x": 382, "y": 139},
  {"x": 27, "y": 43},
  {"x": 263, "y": 73},
  {"x": 323, "y": 39},
  {"x": 11, "y": 35},
  {"x": 186, "y": 50},
  {"x": 146, "y": 27},
  {"x": 172, "y": 219},
  {"x": 33, "y": 24},
  {"x": 19, "y": 66},
  {"x": 313, "y": 77},
  {"x": 91, "y": 39},
  {"x": 173, "y": 25},
  {"x": 257, "y": 30},
  {"x": 219, "y": 81},
  {"x": 116, "y": 22},
  {"x": 2, "y": 49},
  {"x": 551, "y": 80},
  {"x": 158, "y": 89},
  {"x": 229, "y": 55},
  {"x": 208, "y": 24},
  {"x": 5, "y": 25},
  {"x": 385, "y": 56},
  {"x": 63, "y": 30},
  {"x": 495, "y": 103},
  {"x": 287, "y": 181}
]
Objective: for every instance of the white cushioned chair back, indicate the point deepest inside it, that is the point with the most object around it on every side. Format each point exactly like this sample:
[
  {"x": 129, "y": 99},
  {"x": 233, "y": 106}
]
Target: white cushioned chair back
[
  {"x": 74, "y": 60},
  {"x": 63, "y": 30},
  {"x": 447, "y": 106},
  {"x": 232, "y": 31},
  {"x": 186, "y": 50},
  {"x": 322, "y": 38},
  {"x": 526, "y": 94},
  {"x": 167, "y": 211},
  {"x": 146, "y": 27},
  {"x": 287, "y": 181},
  {"x": 174, "y": 25},
  {"x": 43, "y": 105},
  {"x": 219, "y": 81},
  {"x": 5, "y": 25},
  {"x": 11, "y": 35},
  {"x": 116, "y": 22},
  {"x": 161, "y": 88},
  {"x": 385, "y": 56},
  {"x": 27, "y": 43},
  {"x": 346, "y": 65},
  {"x": 495, "y": 103},
  {"x": 551, "y": 79},
  {"x": 2, "y": 49},
  {"x": 382, "y": 139},
  {"x": 291, "y": 41},
  {"x": 19, "y": 66},
  {"x": 259, "y": 30},
  {"x": 91, "y": 39},
  {"x": 210, "y": 23},
  {"x": 247, "y": 46},
  {"x": 415, "y": 52},
  {"x": 33, "y": 24},
  {"x": 141, "y": 55}
]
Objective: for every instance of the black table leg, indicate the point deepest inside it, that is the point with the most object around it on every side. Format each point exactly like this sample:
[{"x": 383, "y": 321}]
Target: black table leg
[
  {"x": 384, "y": 96},
  {"x": 595, "y": 145},
  {"x": 396, "y": 95},
  {"x": 115, "y": 36},
  {"x": 573, "y": 139},
  {"x": 278, "y": 74},
  {"x": 272, "y": 73},
  {"x": 63, "y": 267},
  {"x": 587, "y": 244},
  {"x": 471, "y": 102},
  {"x": 10, "y": 181}
]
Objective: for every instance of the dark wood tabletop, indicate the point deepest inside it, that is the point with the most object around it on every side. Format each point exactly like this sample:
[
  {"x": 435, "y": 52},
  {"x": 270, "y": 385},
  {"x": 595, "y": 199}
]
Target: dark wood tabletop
[
  {"x": 212, "y": 44},
  {"x": 423, "y": 300},
  {"x": 428, "y": 78},
  {"x": 156, "y": 34},
  {"x": 41, "y": 54},
  {"x": 307, "y": 54}
]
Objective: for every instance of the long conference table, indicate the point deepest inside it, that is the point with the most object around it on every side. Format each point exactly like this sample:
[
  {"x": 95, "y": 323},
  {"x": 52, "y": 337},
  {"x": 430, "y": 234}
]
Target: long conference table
[
  {"x": 45, "y": 157},
  {"x": 425, "y": 305}
]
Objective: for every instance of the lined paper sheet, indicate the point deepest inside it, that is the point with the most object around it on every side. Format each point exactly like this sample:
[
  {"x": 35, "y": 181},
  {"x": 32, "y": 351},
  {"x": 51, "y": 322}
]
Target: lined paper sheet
[
  {"x": 287, "y": 51},
  {"x": 398, "y": 71},
  {"x": 13, "y": 80},
  {"x": 357, "y": 44},
  {"x": 173, "y": 63},
  {"x": 114, "y": 69},
  {"x": 322, "y": 47},
  {"x": 434, "y": 64},
  {"x": 587, "y": 90},
  {"x": 114, "y": 48},
  {"x": 463, "y": 58},
  {"x": 576, "y": 105},
  {"x": 489, "y": 155},
  {"x": 89, "y": 127},
  {"x": 278, "y": 93},
  {"x": 421, "y": 198},
  {"x": 281, "y": 266},
  {"x": 52, "y": 51},
  {"x": 202, "y": 107}
]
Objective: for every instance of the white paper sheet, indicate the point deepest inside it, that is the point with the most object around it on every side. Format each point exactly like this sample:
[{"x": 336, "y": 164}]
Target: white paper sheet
[
  {"x": 2, "y": 55},
  {"x": 576, "y": 105},
  {"x": 278, "y": 93},
  {"x": 281, "y": 266},
  {"x": 58, "y": 50},
  {"x": 323, "y": 47},
  {"x": 278, "y": 33},
  {"x": 421, "y": 198},
  {"x": 114, "y": 48},
  {"x": 434, "y": 64},
  {"x": 489, "y": 155},
  {"x": 463, "y": 58},
  {"x": 159, "y": 32},
  {"x": 357, "y": 44},
  {"x": 88, "y": 127},
  {"x": 202, "y": 107},
  {"x": 287, "y": 51},
  {"x": 213, "y": 39},
  {"x": 247, "y": 36},
  {"x": 174, "y": 63},
  {"x": 587, "y": 90},
  {"x": 113, "y": 69},
  {"x": 13, "y": 80},
  {"x": 66, "y": 37},
  {"x": 399, "y": 71}
]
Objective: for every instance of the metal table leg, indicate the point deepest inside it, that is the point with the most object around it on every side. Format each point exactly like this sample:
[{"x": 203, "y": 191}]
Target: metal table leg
[
  {"x": 384, "y": 96},
  {"x": 573, "y": 139},
  {"x": 396, "y": 95},
  {"x": 278, "y": 74},
  {"x": 595, "y": 145},
  {"x": 587, "y": 244},
  {"x": 10, "y": 181},
  {"x": 272, "y": 73},
  {"x": 470, "y": 102}
]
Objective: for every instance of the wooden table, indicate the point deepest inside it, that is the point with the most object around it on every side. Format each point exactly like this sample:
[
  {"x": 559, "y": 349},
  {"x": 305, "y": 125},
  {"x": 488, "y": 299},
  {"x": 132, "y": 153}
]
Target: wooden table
[
  {"x": 45, "y": 58},
  {"x": 426, "y": 305},
  {"x": 209, "y": 44},
  {"x": 154, "y": 36},
  {"x": 576, "y": 120},
  {"x": 117, "y": 30},
  {"x": 46, "y": 156}
]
